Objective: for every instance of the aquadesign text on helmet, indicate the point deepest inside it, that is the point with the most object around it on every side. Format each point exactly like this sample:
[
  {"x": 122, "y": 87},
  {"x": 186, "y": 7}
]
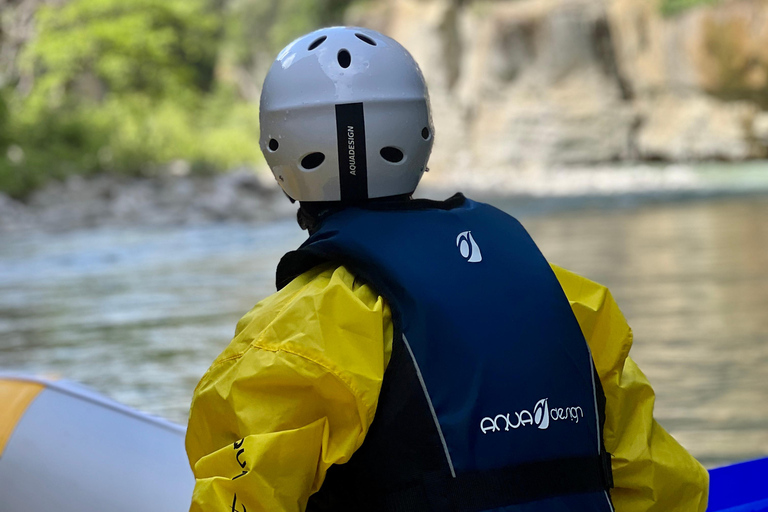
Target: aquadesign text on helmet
[
  {"x": 351, "y": 148},
  {"x": 541, "y": 417}
]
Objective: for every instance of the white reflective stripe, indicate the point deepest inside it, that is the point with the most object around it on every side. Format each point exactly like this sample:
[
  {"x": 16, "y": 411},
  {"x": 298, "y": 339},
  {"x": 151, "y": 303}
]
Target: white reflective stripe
[
  {"x": 431, "y": 407},
  {"x": 608, "y": 498},
  {"x": 594, "y": 396},
  {"x": 597, "y": 416}
]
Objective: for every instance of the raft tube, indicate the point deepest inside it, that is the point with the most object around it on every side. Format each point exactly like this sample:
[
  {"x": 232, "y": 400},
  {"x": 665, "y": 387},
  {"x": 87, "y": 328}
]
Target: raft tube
[
  {"x": 64, "y": 447},
  {"x": 741, "y": 487}
]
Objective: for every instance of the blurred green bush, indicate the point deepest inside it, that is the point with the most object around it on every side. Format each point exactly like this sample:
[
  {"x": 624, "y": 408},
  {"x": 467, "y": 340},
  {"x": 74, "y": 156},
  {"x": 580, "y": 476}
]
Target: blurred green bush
[
  {"x": 128, "y": 86},
  {"x": 672, "y": 7}
]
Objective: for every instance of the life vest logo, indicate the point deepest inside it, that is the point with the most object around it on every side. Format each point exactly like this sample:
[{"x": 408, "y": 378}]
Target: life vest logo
[
  {"x": 468, "y": 248},
  {"x": 541, "y": 416}
]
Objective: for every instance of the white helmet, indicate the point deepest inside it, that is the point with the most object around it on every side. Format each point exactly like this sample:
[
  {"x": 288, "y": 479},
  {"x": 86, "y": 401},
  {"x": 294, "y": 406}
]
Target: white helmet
[{"x": 345, "y": 116}]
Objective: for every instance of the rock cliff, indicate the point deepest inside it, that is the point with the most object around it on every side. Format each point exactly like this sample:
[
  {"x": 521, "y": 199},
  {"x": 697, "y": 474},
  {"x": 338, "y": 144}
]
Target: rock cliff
[
  {"x": 532, "y": 83},
  {"x": 543, "y": 83}
]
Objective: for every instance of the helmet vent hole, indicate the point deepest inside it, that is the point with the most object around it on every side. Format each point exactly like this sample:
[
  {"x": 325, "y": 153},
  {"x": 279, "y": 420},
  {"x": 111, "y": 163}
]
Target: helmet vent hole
[
  {"x": 425, "y": 133},
  {"x": 345, "y": 59},
  {"x": 273, "y": 145},
  {"x": 312, "y": 160},
  {"x": 392, "y": 154},
  {"x": 317, "y": 42},
  {"x": 365, "y": 39}
]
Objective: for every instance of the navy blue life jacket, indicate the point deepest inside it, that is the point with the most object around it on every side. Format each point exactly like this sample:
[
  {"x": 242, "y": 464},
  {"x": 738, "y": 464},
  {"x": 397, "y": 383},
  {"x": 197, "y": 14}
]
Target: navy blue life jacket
[{"x": 490, "y": 401}]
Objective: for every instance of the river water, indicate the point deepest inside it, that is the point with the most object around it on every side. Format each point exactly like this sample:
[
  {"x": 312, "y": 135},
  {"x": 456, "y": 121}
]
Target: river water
[{"x": 138, "y": 314}]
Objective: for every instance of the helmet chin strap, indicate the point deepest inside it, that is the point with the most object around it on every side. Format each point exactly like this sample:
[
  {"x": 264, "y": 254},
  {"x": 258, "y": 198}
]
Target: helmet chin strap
[
  {"x": 307, "y": 221},
  {"x": 311, "y": 214}
]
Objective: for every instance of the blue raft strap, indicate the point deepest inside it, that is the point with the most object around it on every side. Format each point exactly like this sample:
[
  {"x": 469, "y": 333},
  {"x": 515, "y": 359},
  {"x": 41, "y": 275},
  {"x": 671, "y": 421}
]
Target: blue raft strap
[{"x": 490, "y": 489}]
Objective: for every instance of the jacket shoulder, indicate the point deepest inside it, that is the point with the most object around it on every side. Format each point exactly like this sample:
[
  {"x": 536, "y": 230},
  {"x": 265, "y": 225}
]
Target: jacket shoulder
[
  {"x": 326, "y": 316},
  {"x": 601, "y": 321}
]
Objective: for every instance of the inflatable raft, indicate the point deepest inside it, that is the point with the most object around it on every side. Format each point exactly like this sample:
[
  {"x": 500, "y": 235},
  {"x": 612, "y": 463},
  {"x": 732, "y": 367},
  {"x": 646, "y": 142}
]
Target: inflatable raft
[
  {"x": 741, "y": 487},
  {"x": 64, "y": 447}
]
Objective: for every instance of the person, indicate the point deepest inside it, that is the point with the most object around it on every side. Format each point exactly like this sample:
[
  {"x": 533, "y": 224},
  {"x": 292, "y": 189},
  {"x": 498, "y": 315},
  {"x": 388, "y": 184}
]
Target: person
[{"x": 418, "y": 355}]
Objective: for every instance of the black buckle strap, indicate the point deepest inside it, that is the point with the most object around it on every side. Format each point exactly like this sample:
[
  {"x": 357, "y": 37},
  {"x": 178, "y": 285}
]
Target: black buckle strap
[
  {"x": 484, "y": 490},
  {"x": 607, "y": 472}
]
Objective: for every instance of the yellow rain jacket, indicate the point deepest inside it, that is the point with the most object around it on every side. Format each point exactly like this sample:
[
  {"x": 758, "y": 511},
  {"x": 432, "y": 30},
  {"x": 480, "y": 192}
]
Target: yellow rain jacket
[{"x": 296, "y": 391}]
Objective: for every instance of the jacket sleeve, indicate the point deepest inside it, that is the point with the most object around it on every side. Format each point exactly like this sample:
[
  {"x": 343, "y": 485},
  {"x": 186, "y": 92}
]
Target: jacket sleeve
[
  {"x": 294, "y": 393},
  {"x": 651, "y": 471}
]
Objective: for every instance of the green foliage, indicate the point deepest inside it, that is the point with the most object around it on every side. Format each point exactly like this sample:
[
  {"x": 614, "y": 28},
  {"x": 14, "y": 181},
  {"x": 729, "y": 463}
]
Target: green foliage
[
  {"x": 268, "y": 25},
  {"x": 132, "y": 134},
  {"x": 673, "y": 7},
  {"x": 158, "y": 48},
  {"x": 35, "y": 151},
  {"x": 123, "y": 86},
  {"x": 128, "y": 86},
  {"x": 215, "y": 133},
  {"x": 4, "y": 115}
]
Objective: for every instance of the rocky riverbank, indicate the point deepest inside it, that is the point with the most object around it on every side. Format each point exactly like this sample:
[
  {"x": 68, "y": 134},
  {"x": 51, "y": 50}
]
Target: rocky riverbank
[
  {"x": 246, "y": 195},
  {"x": 78, "y": 202}
]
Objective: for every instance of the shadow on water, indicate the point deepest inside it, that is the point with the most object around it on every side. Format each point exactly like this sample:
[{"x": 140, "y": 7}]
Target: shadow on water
[{"x": 140, "y": 314}]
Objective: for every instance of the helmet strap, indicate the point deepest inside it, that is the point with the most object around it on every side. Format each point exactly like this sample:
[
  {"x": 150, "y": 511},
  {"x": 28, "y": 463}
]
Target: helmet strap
[{"x": 312, "y": 213}]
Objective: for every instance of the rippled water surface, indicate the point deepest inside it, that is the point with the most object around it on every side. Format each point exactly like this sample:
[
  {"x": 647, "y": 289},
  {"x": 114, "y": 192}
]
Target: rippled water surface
[{"x": 139, "y": 314}]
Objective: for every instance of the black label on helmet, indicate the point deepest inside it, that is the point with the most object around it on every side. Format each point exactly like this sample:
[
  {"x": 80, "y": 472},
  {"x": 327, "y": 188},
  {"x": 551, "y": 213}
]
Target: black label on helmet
[{"x": 353, "y": 168}]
